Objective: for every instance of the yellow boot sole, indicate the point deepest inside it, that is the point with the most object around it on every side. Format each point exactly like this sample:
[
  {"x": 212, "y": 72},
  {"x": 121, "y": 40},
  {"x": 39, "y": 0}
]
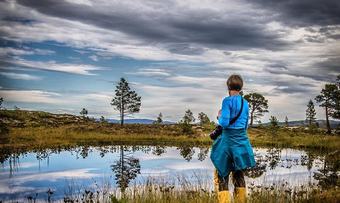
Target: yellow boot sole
[
  {"x": 240, "y": 195},
  {"x": 224, "y": 197}
]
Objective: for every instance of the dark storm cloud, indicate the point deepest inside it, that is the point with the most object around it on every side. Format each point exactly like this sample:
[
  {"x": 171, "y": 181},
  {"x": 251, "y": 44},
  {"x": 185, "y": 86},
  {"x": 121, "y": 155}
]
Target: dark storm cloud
[
  {"x": 331, "y": 65},
  {"x": 200, "y": 27},
  {"x": 277, "y": 68},
  {"x": 184, "y": 49},
  {"x": 320, "y": 71},
  {"x": 290, "y": 90},
  {"x": 322, "y": 34},
  {"x": 303, "y": 12},
  {"x": 222, "y": 33}
]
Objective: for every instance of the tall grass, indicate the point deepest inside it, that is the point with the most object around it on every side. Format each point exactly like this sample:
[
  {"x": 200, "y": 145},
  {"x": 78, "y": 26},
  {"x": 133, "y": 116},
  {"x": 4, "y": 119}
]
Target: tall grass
[
  {"x": 181, "y": 189},
  {"x": 62, "y": 136},
  {"x": 297, "y": 138},
  {"x": 96, "y": 134}
]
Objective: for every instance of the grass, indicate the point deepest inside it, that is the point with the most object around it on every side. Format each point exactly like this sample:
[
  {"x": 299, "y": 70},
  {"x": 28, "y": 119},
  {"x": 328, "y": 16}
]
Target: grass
[
  {"x": 68, "y": 136},
  {"x": 134, "y": 134},
  {"x": 182, "y": 189},
  {"x": 40, "y": 130},
  {"x": 296, "y": 138},
  {"x": 36, "y": 129}
]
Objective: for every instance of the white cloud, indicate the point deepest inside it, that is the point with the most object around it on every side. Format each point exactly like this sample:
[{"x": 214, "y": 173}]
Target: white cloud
[
  {"x": 211, "y": 82},
  {"x": 5, "y": 51},
  {"x": 94, "y": 58},
  {"x": 20, "y": 76},
  {"x": 173, "y": 101},
  {"x": 13, "y": 51},
  {"x": 21, "y": 180},
  {"x": 43, "y": 51},
  {"x": 265, "y": 71},
  {"x": 31, "y": 96},
  {"x": 82, "y": 69},
  {"x": 85, "y": 2},
  {"x": 97, "y": 103},
  {"x": 150, "y": 72}
]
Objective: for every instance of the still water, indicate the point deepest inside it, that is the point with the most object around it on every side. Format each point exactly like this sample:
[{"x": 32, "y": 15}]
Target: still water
[{"x": 33, "y": 174}]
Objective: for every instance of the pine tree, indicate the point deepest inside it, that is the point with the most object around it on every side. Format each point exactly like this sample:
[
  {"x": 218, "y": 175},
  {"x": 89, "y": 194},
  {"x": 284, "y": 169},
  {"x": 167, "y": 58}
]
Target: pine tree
[
  {"x": 185, "y": 123},
  {"x": 83, "y": 112},
  {"x": 336, "y": 113},
  {"x": 274, "y": 125},
  {"x": 188, "y": 117},
  {"x": 310, "y": 113},
  {"x": 102, "y": 119},
  {"x": 1, "y": 101},
  {"x": 274, "y": 122},
  {"x": 328, "y": 99},
  {"x": 159, "y": 119},
  {"x": 125, "y": 101},
  {"x": 257, "y": 105},
  {"x": 203, "y": 118}
]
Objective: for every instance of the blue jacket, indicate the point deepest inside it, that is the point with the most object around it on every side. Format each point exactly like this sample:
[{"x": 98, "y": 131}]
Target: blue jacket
[
  {"x": 230, "y": 108},
  {"x": 232, "y": 150}
]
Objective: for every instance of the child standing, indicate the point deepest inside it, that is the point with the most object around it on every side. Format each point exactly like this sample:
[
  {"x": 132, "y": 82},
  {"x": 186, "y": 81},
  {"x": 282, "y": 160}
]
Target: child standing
[{"x": 231, "y": 151}]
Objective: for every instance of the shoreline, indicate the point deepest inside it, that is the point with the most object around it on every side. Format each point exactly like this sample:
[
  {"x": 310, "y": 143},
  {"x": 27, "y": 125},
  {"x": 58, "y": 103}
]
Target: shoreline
[{"x": 68, "y": 136}]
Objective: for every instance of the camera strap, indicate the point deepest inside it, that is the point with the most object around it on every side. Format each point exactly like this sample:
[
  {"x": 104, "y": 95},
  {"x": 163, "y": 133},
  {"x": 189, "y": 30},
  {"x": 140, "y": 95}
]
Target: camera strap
[{"x": 238, "y": 115}]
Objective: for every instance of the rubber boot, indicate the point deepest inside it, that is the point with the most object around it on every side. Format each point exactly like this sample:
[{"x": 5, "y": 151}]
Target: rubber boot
[
  {"x": 224, "y": 197},
  {"x": 215, "y": 181},
  {"x": 240, "y": 195}
]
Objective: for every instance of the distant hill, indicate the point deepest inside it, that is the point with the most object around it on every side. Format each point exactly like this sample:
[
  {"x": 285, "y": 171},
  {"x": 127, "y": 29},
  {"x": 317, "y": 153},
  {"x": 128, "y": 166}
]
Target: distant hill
[
  {"x": 21, "y": 118},
  {"x": 136, "y": 121},
  {"x": 24, "y": 118},
  {"x": 322, "y": 123}
]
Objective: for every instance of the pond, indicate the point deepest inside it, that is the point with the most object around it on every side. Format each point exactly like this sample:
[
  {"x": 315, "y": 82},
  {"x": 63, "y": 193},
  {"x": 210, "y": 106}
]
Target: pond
[{"x": 54, "y": 174}]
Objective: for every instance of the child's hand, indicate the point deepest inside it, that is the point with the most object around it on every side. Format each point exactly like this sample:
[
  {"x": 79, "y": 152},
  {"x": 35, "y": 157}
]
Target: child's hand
[{"x": 219, "y": 114}]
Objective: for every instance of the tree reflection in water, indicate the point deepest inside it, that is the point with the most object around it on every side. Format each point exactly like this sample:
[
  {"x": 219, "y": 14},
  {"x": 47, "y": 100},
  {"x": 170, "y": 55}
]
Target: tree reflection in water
[
  {"x": 328, "y": 176},
  {"x": 273, "y": 157},
  {"x": 203, "y": 153},
  {"x": 125, "y": 169},
  {"x": 186, "y": 152},
  {"x": 257, "y": 171},
  {"x": 158, "y": 150},
  {"x": 323, "y": 166},
  {"x": 308, "y": 161}
]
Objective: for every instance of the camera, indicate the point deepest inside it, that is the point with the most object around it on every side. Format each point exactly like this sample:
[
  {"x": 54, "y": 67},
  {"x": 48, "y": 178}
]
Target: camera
[{"x": 216, "y": 132}]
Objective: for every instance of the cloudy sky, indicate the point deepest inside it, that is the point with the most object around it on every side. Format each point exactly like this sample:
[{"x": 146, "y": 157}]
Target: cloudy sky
[{"x": 63, "y": 55}]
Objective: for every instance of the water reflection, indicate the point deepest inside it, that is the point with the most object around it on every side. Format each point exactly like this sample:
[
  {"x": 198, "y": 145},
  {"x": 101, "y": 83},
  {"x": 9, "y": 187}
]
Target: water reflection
[
  {"x": 159, "y": 150},
  {"x": 328, "y": 175},
  {"x": 25, "y": 174},
  {"x": 186, "y": 152},
  {"x": 125, "y": 169}
]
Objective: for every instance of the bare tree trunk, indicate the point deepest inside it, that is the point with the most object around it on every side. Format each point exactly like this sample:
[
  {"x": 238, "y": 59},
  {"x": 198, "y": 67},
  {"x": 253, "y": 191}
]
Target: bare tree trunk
[
  {"x": 327, "y": 122},
  {"x": 122, "y": 166},
  {"x": 121, "y": 112},
  {"x": 122, "y": 118},
  {"x": 252, "y": 118}
]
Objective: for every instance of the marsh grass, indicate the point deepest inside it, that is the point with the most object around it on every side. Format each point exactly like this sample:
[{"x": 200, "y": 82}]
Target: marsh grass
[
  {"x": 284, "y": 193},
  {"x": 36, "y": 129},
  {"x": 296, "y": 138},
  {"x": 134, "y": 134},
  {"x": 68, "y": 136},
  {"x": 41, "y": 130},
  {"x": 182, "y": 189}
]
